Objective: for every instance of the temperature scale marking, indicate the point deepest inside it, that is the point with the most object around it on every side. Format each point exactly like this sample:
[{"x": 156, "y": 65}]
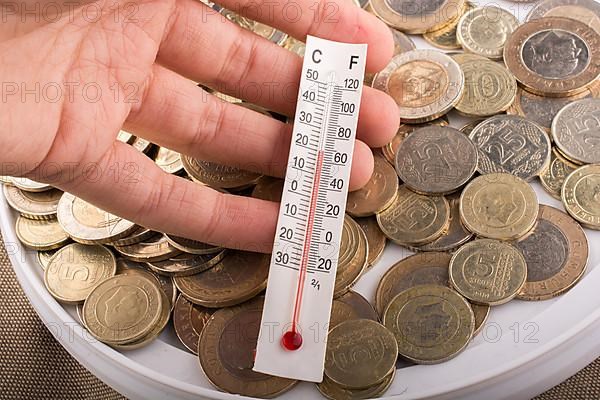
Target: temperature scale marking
[{"x": 295, "y": 318}]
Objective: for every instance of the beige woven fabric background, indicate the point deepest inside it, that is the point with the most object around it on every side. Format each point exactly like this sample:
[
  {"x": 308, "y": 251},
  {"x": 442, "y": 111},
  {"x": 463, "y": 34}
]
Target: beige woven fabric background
[{"x": 34, "y": 366}]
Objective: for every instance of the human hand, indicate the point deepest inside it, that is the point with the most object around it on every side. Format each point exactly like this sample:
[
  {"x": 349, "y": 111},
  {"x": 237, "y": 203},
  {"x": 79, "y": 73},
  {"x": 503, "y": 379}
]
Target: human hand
[{"x": 95, "y": 75}]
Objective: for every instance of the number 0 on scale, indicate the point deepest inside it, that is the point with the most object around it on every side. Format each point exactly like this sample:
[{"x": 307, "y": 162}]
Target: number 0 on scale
[{"x": 295, "y": 318}]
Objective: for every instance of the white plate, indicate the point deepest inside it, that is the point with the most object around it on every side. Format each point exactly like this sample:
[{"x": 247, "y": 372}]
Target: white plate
[{"x": 524, "y": 349}]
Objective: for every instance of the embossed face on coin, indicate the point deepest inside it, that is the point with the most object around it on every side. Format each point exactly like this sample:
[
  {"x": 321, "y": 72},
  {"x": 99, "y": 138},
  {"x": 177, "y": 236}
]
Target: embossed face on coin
[
  {"x": 123, "y": 308},
  {"x": 499, "y": 206},
  {"x": 556, "y": 253},
  {"x": 431, "y": 323},
  {"x": 555, "y": 54},
  {"x": 546, "y": 262},
  {"x": 226, "y": 352}
]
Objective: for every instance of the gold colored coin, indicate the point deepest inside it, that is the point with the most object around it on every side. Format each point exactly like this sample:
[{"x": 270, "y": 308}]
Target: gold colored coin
[
  {"x": 425, "y": 84},
  {"x": 168, "y": 160},
  {"x": 414, "y": 219},
  {"x": 189, "y": 321},
  {"x": 484, "y": 30},
  {"x": 123, "y": 309},
  {"x": 377, "y": 194},
  {"x": 556, "y": 253},
  {"x": 389, "y": 150},
  {"x": 333, "y": 391},
  {"x": 431, "y": 323},
  {"x": 576, "y": 131},
  {"x": 351, "y": 306},
  {"x": 76, "y": 269},
  {"x": 489, "y": 89},
  {"x": 375, "y": 238},
  {"x": 44, "y": 257},
  {"x": 481, "y": 312},
  {"x": 34, "y": 205},
  {"x": 488, "y": 271},
  {"x": 217, "y": 175},
  {"x": 581, "y": 195},
  {"x": 186, "y": 264},
  {"x": 156, "y": 248},
  {"x": 378, "y": 344},
  {"x": 238, "y": 277},
  {"x": 157, "y": 328},
  {"x": 192, "y": 246},
  {"x": 420, "y": 269},
  {"x": 352, "y": 258},
  {"x": 542, "y": 109},
  {"x": 268, "y": 188},
  {"x": 553, "y": 177},
  {"x": 499, "y": 206},
  {"x": 450, "y": 161},
  {"x": 226, "y": 352},
  {"x": 166, "y": 283},
  {"x": 137, "y": 236},
  {"x": 456, "y": 234},
  {"x": 555, "y": 57},
  {"x": 88, "y": 224},
  {"x": 445, "y": 38},
  {"x": 417, "y": 17},
  {"x": 40, "y": 234}
]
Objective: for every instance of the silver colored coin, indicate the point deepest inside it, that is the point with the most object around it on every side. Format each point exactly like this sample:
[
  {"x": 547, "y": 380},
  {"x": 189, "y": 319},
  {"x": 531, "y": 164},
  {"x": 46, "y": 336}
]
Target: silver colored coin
[
  {"x": 542, "y": 109},
  {"x": 511, "y": 144},
  {"x": 576, "y": 131},
  {"x": 586, "y": 11},
  {"x": 436, "y": 160}
]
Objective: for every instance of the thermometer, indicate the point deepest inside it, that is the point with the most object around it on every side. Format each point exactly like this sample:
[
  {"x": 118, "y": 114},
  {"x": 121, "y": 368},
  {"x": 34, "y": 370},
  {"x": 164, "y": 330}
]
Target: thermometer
[{"x": 295, "y": 318}]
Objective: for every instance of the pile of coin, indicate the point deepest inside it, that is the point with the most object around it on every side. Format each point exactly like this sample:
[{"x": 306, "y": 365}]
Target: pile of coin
[{"x": 460, "y": 199}]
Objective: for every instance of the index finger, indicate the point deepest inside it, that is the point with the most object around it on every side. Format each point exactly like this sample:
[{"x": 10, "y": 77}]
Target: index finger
[{"x": 338, "y": 20}]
